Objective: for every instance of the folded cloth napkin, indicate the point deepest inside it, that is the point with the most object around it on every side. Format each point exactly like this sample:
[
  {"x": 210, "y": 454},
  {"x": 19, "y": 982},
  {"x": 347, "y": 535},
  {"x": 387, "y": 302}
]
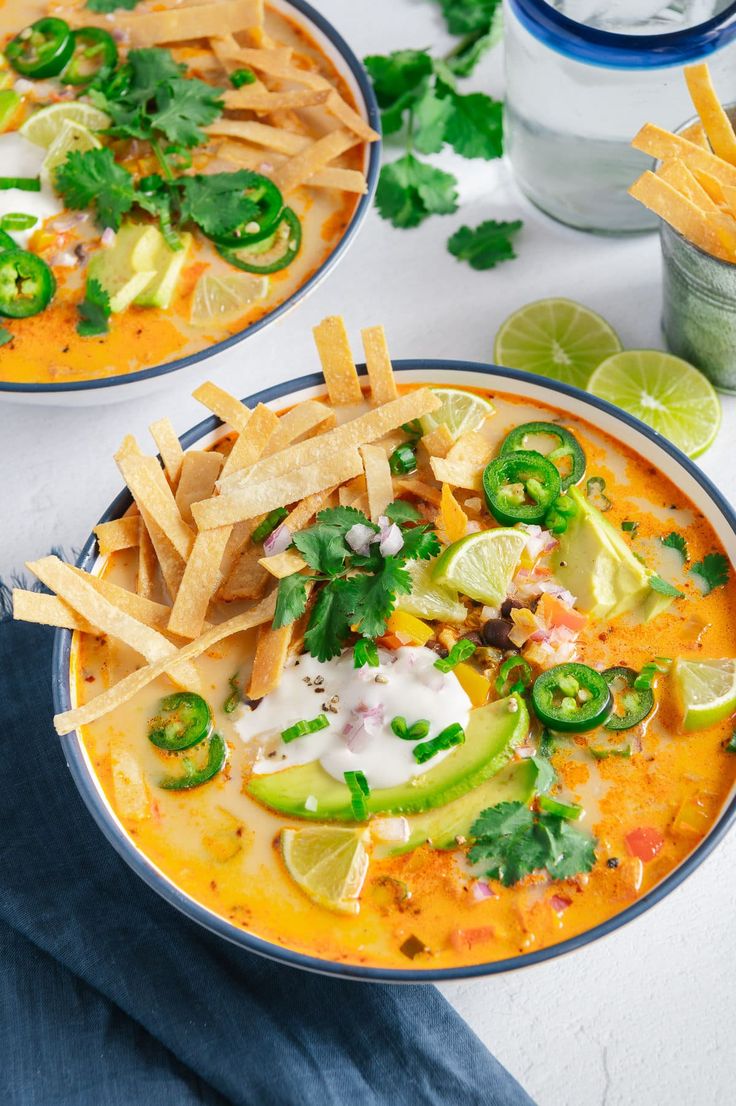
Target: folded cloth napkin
[{"x": 111, "y": 997}]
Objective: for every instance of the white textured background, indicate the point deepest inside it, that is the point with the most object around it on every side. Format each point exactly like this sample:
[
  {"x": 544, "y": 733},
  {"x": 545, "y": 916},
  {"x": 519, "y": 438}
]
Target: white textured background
[{"x": 646, "y": 1017}]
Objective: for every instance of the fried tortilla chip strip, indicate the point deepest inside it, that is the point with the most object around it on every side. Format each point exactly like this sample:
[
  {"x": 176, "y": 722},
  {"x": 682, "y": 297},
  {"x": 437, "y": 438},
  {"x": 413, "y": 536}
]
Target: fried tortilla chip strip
[
  {"x": 199, "y": 471},
  {"x": 250, "y": 445},
  {"x": 715, "y": 121},
  {"x": 47, "y": 610},
  {"x": 298, "y": 169},
  {"x": 121, "y": 533},
  {"x": 338, "y": 366},
  {"x": 248, "y": 578},
  {"x": 682, "y": 214},
  {"x": 199, "y": 583},
  {"x": 128, "y": 783},
  {"x": 452, "y": 517},
  {"x": 347, "y": 180},
  {"x": 227, "y": 408},
  {"x": 661, "y": 144},
  {"x": 676, "y": 173},
  {"x": 145, "y": 610},
  {"x": 268, "y": 663},
  {"x": 459, "y": 474},
  {"x": 378, "y": 480},
  {"x": 438, "y": 442},
  {"x": 169, "y": 447},
  {"x": 251, "y": 98},
  {"x": 183, "y": 23},
  {"x": 147, "y": 485},
  {"x": 378, "y": 363},
  {"x": 298, "y": 423},
  {"x": 283, "y": 564},
  {"x": 421, "y": 490},
  {"x": 471, "y": 448},
  {"x": 171, "y": 564},
  {"x": 145, "y": 580}
]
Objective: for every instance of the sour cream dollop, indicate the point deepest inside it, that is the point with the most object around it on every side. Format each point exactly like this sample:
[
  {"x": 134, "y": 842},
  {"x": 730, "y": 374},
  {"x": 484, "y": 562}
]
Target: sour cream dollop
[
  {"x": 21, "y": 158},
  {"x": 405, "y": 684}
]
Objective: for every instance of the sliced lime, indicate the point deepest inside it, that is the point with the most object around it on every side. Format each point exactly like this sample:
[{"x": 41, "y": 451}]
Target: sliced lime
[
  {"x": 45, "y": 125},
  {"x": 557, "y": 338},
  {"x": 460, "y": 411},
  {"x": 665, "y": 392},
  {"x": 428, "y": 599},
  {"x": 223, "y": 299},
  {"x": 329, "y": 863},
  {"x": 72, "y": 136},
  {"x": 481, "y": 565},
  {"x": 706, "y": 691}
]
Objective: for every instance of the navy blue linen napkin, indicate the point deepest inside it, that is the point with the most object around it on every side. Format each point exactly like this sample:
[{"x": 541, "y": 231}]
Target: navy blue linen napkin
[{"x": 110, "y": 997}]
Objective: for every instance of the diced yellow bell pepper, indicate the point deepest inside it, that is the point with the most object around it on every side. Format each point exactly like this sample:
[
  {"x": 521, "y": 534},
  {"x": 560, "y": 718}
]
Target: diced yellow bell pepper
[
  {"x": 693, "y": 817},
  {"x": 402, "y": 623},
  {"x": 473, "y": 683}
]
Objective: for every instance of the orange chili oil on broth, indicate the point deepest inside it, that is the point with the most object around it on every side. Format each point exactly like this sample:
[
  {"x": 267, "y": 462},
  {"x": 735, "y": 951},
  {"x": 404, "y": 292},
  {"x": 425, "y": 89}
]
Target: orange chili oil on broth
[
  {"x": 46, "y": 347},
  {"x": 220, "y": 846}
]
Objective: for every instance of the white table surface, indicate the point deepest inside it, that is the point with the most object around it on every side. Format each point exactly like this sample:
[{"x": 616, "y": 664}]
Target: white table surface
[{"x": 644, "y": 1018}]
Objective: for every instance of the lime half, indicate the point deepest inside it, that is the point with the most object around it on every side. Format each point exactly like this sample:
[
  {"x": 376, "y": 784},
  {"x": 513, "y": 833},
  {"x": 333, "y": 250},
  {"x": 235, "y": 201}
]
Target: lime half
[
  {"x": 460, "y": 411},
  {"x": 706, "y": 691},
  {"x": 557, "y": 338},
  {"x": 45, "y": 126},
  {"x": 72, "y": 136},
  {"x": 666, "y": 393},
  {"x": 329, "y": 863},
  {"x": 223, "y": 299},
  {"x": 482, "y": 565},
  {"x": 427, "y": 598}
]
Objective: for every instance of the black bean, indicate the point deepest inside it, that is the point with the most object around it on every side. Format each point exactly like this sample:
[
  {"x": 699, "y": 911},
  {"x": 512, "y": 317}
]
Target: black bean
[
  {"x": 496, "y": 632},
  {"x": 437, "y": 648},
  {"x": 510, "y": 605},
  {"x": 473, "y": 636}
]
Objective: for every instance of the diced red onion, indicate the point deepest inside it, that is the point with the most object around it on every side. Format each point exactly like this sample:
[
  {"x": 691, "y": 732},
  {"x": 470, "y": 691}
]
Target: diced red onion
[
  {"x": 66, "y": 260},
  {"x": 560, "y": 903},
  {"x": 68, "y": 221},
  {"x": 359, "y": 538},
  {"x": 21, "y": 86},
  {"x": 390, "y": 539},
  {"x": 390, "y": 829},
  {"x": 278, "y": 541},
  {"x": 433, "y": 679},
  {"x": 371, "y": 715},
  {"x": 481, "y": 891},
  {"x": 107, "y": 239}
]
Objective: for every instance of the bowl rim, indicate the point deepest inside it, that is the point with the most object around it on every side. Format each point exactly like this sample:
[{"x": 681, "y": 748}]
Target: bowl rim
[
  {"x": 373, "y": 116},
  {"x": 117, "y": 836}
]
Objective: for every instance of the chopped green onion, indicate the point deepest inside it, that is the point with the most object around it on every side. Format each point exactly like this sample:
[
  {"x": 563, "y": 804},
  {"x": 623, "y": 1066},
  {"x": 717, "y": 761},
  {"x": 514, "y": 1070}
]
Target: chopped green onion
[
  {"x": 359, "y": 792},
  {"x": 645, "y": 679},
  {"x": 524, "y": 679},
  {"x": 563, "y": 810},
  {"x": 630, "y": 527},
  {"x": 604, "y": 754},
  {"x": 16, "y": 220},
  {"x": 546, "y": 744},
  {"x": 413, "y": 429},
  {"x": 365, "y": 652},
  {"x": 239, "y": 77},
  {"x": 451, "y": 735},
  {"x": 299, "y": 729},
  {"x": 271, "y": 521},
  {"x": 25, "y": 184},
  {"x": 460, "y": 651},
  {"x": 402, "y": 461},
  {"x": 415, "y": 732},
  {"x": 233, "y": 699},
  {"x": 594, "y": 490}
]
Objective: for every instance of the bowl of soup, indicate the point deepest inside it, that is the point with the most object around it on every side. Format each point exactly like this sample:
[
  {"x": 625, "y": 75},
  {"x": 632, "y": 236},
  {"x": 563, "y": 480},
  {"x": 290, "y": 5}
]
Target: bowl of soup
[
  {"x": 411, "y": 672},
  {"x": 174, "y": 178}
]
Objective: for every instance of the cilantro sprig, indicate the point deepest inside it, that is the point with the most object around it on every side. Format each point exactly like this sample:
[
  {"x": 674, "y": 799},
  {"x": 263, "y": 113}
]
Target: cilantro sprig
[
  {"x": 485, "y": 246},
  {"x": 514, "y": 841},
  {"x": 712, "y": 570},
  {"x": 355, "y": 591},
  {"x": 676, "y": 541},
  {"x": 94, "y": 311}
]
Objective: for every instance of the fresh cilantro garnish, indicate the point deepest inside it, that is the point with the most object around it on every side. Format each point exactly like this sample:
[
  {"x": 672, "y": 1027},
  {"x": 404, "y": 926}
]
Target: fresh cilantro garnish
[
  {"x": 217, "y": 203},
  {"x": 409, "y": 190},
  {"x": 545, "y": 773},
  {"x": 93, "y": 179},
  {"x": 5, "y": 336},
  {"x": 398, "y": 80},
  {"x": 94, "y": 311},
  {"x": 355, "y": 591},
  {"x": 474, "y": 125},
  {"x": 656, "y": 583},
  {"x": 486, "y": 245},
  {"x": 479, "y": 21},
  {"x": 464, "y": 17},
  {"x": 676, "y": 541},
  {"x": 515, "y": 841},
  {"x": 104, "y": 7},
  {"x": 713, "y": 570},
  {"x": 365, "y": 652},
  {"x": 401, "y": 511},
  {"x": 154, "y": 196}
]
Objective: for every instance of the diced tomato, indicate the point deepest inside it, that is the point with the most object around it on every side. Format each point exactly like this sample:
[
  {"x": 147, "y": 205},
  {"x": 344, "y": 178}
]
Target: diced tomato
[
  {"x": 644, "y": 842},
  {"x": 557, "y": 613},
  {"x": 560, "y": 903},
  {"x": 462, "y": 940}
]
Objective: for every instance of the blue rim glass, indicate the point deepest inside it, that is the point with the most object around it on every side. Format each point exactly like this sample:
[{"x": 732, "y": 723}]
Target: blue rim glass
[
  {"x": 361, "y": 210},
  {"x": 621, "y": 51},
  {"x": 488, "y": 374}
]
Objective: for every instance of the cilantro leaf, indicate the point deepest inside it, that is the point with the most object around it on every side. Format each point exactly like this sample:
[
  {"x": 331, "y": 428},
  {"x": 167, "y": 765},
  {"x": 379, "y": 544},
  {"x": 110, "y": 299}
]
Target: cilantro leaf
[
  {"x": 5, "y": 336},
  {"x": 107, "y": 6},
  {"x": 365, "y": 652},
  {"x": 545, "y": 773},
  {"x": 676, "y": 541},
  {"x": 463, "y": 17},
  {"x": 323, "y": 548},
  {"x": 656, "y": 583},
  {"x": 183, "y": 106},
  {"x": 329, "y": 625},
  {"x": 344, "y": 518},
  {"x": 430, "y": 116},
  {"x": 463, "y": 59},
  {"x": 474, "y": 126},
  {"x": 218, "y": 203},
  {"x": 401, "y": 511},
  {"x": 94, "y": 311},
  {"x": 291, "y": 600},
  {"x": 515, "y": 841},
  {"x": 420, "y": 544},
  {"x": 93, "y": 179},
  {"x": 396, "y": 74},
  {"x": 486, "y": 245},
  {"x": 409, "y": 190},
  {"x": 158, "y": 201},
  {"x": 713, "y": 570},
  {"x": 372, "y": 597}
]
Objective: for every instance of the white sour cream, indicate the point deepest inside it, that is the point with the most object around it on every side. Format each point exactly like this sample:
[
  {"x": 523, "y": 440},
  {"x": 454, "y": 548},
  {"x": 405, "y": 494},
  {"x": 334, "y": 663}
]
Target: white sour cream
[
  {"x": 405, "y": 684},
  {"x": 21, "y": 158}
]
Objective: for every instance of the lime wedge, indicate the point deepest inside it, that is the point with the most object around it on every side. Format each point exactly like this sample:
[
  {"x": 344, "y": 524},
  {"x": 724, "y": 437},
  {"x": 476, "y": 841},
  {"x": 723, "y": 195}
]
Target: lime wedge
[
  {"x": 428, "y": 599},
  {"x": 72, "y": 136},
  {"x": 666, "y": 393},
  {"x": 329, "y": 863},
  {"x": 481, "y": 565},
  {"x": 557, "y": 338},
  {"x": 45, "y": 126},
  {"x": 460, "y": 411},
  {"x": 223, "y": 299},
  {"x": 706, "y": 691}
]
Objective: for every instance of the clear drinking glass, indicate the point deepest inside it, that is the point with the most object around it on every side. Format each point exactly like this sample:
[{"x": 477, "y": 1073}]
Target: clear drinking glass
[{"x": 582, "y": 76}]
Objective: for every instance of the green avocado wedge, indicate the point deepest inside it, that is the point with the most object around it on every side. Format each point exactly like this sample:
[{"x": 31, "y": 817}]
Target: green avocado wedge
[{"x": 490, "y": 737}]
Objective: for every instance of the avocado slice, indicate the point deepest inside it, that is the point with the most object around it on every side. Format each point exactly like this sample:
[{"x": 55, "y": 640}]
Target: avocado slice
[
  {"x": 490, "y": 736},
  {"x": 168, "y": 265},
  {"x": 127, "y": 267},
  {"x": 594, "y": 562}
]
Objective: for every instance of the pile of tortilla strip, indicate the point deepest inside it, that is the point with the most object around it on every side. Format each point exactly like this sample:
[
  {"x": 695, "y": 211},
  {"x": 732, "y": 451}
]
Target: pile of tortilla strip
[
  {"x": 694, "y": 186},
  {"x": 193, "y": 515},
  {"x": 297, "y": 100}
]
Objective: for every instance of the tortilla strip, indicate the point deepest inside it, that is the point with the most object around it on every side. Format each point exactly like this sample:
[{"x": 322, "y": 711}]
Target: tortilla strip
[
  {"x": 711, "y": 186},
  {"x": 199, "y": 583},
  {"x": 661, "y": 144},
  {"x": 682, "y": 214},
  {"x": 239, "y": 537},
  {"x": 457, "y": 473},
  {"x": 300, "y": 421},
  {"x": 696, "y": 133},
  {"x": 130, "y": 685},
  {"x": 199, "y": 471},
  {"x": 349, "y": 118},
  {"x": 471, "y": 449},
  {"x": 378, "y": 479},
  {"x": 421, "y": 490},
  {"x": 182, "y": 23},
  {"x": 169, "y": 447},
  {"x": 121, "y": 533},
  {"x": 250, "y": 445},
  {"x": 171, "y": 564},
  {"x": 347, "y": 180},
  {"x": 438, "y": 442},
  {"x": 715, "y": 121},
  {"x": 248, "y": 578},
  {"x": 389, "y": 443},
  {"x": 272, "y": 61},
  {"x": 676, "y": 173},
  {"x": 268, "y": 662},
  {"x": 155, "y": 615},
  {"x": 148, "y": 487},
  {"x": 298, "y": 169},
  {"x": 453, "y": 518},
  {"x": 283, "y": 564},
  {"x": 128, "y": 783},
  {"x": 258, "y": 498},
  {"x": 227, "y": 408},
  {"x": 378, "y": 362},
  {"x": 145, "y": 580},
  {"x": 251, "y": 98},
  {"x": 348, "y": 493},
  {"x": 305, "y": 511},
  {"x": 260, "y": 134},
  {"x": 47, "y": 610},
  {"x": 338, "y": 366},
  {"x": 343, "y": 439}
]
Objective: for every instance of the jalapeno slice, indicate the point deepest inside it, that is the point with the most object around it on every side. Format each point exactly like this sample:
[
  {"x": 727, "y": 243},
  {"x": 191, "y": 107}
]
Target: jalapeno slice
[
  {"x": 270, "y": 203},
  {"x": 567, "y": 456},
  {"x": 571, "y": 698},
  {"x": 26, "y": 284},
  {"x": 184, "y": 720},
  {"x": 193, "y": 776},
  {"x": 94, "y": 56},
  {"x": 520, "y": 487},
  {"x": 634, "y": 703},
  {"x": 41, "y": 50},
  {"x": 286, "y": 244}
]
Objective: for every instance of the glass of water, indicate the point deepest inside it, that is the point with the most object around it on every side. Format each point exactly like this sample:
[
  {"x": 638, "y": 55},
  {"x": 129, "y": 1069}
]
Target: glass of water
[{"x": 582, "y": 76}]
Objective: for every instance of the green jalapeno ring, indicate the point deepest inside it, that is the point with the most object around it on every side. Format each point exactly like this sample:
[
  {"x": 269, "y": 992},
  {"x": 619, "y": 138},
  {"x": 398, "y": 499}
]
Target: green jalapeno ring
[
  {"x": 537, "y": 476},
  {"x": 559, "y": 702},
  {"x": 264, "y": 193},
  {"x": 569, "y": 447},
  {"x": 90, "y": 44},
  {"x": 637, "y": 702},
  {"x": 41, "y": 50},
  {"x": 26, "y": 284},
  {"x": 289, "y": 230},
  {"x": 195, "y": 777},
  {"x": 185, "y": 720}
]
